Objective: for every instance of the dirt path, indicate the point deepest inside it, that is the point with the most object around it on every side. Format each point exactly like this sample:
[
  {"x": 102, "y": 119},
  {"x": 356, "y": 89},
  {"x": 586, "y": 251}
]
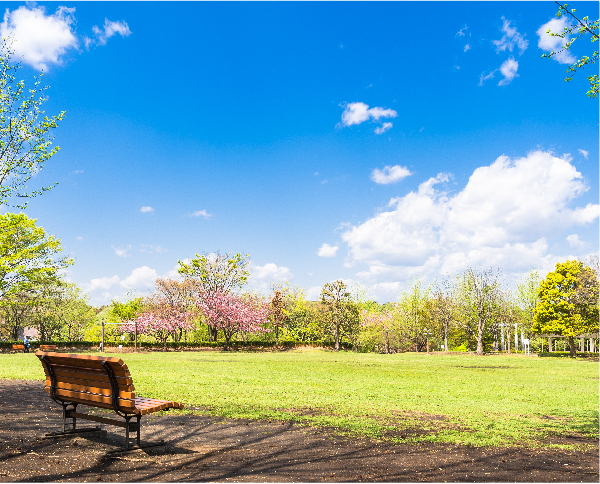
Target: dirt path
[{"x": 201, "y": 448}]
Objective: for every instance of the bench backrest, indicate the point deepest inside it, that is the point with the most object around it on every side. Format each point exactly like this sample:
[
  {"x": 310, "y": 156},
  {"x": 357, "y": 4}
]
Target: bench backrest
[{"x": 88, "y": 380}]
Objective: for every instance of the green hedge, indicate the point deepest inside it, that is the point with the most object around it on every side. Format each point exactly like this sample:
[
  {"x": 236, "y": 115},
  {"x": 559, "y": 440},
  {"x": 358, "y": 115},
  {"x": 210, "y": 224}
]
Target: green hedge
[{"x": 564, "y": 354}]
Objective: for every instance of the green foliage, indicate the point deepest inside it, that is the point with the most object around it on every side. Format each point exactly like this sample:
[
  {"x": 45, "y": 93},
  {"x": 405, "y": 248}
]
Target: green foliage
[
  {"x": 341, "y": 314},
  {"x": 216, "y": 272},
  {"x": 580, "y": 28},
  {"x": 568, "y": 301},
  {"x": 127, "y": 311},
  {"x": 25, "y": 138},
  {"x": 27, "y": 255}
]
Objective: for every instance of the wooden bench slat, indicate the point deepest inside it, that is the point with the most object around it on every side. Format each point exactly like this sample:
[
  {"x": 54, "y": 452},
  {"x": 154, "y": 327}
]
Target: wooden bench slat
[
  {"x": 92, "y": 398},
  {"x": 90, "y": 364},
  {"x": 87, "y": 374},
  {"x": 76, "y": 387},
  {"x": 90, "y": 382}
]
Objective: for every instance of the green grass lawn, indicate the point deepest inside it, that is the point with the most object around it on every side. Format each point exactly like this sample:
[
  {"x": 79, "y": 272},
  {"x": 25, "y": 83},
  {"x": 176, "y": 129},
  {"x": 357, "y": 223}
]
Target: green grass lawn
[{"x": 490, "y": 400}]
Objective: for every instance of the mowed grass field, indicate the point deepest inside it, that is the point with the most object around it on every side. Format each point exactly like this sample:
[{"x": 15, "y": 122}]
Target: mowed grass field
[{"x": 463, "y": 399}]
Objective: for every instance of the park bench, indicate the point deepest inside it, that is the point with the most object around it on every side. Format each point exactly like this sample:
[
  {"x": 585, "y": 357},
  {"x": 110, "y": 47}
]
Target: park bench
[
  {"x": 18, "y": 347},
  {"x": 47, "y": 347},
  {"x": 96, "y": 381}
]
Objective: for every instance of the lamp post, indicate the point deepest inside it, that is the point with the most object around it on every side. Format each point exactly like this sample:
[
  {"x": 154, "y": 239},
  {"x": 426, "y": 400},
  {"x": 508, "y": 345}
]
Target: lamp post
[{"x": 427, "y": 333}]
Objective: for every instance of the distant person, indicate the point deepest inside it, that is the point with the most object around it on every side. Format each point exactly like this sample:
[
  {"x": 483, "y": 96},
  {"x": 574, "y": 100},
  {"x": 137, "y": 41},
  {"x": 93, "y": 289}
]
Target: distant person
[{"x": 26, "y": 345}]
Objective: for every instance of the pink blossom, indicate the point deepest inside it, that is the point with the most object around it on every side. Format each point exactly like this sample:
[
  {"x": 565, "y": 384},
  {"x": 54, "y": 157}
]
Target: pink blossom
[{"x": 232, "y": 313}]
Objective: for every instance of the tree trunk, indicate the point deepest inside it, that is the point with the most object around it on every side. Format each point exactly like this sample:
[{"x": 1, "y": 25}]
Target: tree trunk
[
  {"x": 480, "y": 339},
  {"x": 276, "y": 337},
  {"x": 212, "y": 333},
  {"x": 446, "y": 338},
  {"x": 572, "y": 349},
  {"x": 337, "y": 337}
]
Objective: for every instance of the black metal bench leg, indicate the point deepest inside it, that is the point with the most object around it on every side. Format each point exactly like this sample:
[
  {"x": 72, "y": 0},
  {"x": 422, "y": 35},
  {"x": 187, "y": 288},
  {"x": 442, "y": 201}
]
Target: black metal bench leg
[
  {"x": 127, "y": 419},
  {"x": 138, "y": 430}
]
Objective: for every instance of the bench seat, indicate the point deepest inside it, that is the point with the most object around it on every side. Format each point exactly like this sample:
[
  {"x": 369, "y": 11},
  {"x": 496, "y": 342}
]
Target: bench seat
[{"x": 97, "y": 381}]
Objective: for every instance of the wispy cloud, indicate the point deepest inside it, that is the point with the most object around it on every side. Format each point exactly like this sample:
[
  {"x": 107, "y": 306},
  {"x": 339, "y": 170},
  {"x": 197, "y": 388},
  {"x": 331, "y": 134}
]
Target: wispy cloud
[
  {"x": 202, "y": 213},
  {"x": 510, "y": 39},
  {"x": 484, "y": 77},
  {"x": 383, "y": 128},
  {"x": 122, "y": 252},
  {"x": 390, "y": 174},
  {"x": 150, "y": 249},
  {"x": 467, "y": 47},
  {"x": 584, "y": 153},
  {"x": 110, "y": 28},
  {"x": 146, "y": 209},
  {"x": 41, "y": 40},
  {"x": 461, "y": 32},
  {"x": 509, "y": 71}
]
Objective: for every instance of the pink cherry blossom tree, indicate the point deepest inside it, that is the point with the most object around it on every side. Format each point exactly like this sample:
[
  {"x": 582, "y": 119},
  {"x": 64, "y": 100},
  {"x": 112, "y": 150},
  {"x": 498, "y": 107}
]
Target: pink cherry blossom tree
[
  {"x": 160, "y": 321},
  {"x": 233, "y": 313}
]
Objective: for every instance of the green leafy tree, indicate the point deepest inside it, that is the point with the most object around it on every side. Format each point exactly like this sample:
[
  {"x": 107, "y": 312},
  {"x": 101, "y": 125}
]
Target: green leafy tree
[
  {"x": 443, "y": 308},
  {"x": 28, "y": 256},
  {"x": 568, "y": 303},
  {"x": 341, "y": 314},
  {"x": 215, "y": 273},
  {"x": 25, "y": 134},
  {"x": 479, "y": 297},
  {"x": 580, "y": 28},
  {"x": 413, "y": 314},
  {"x": 527, "y": 298},
  {"x": 15, "y": 310}
]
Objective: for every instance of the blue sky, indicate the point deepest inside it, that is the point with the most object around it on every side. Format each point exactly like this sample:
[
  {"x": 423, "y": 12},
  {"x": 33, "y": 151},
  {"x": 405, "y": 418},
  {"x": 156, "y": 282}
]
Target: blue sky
[{"x": 372, "y": 142}]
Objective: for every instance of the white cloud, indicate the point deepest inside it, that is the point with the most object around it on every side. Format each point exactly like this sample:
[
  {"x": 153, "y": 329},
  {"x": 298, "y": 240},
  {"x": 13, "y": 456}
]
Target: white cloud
[
  {"x": 461, "y": 32},
  {"x": 575, "y": 242},
  {"x": 503, "y": 217},
  {"x": 327, "y": 250},
  {"x": 584, "y": 153},
  {"x": 509, "y": 71},
  {"x": 146, "y": 210},
  {"x": 110, "y": 29},
  {"x": 202, "y": 213},
  {"x": 313, "y": 293},
  {"x": 383, "y": 128},
  {"x": 510, "y": 39},
  {"x": 550, "y": 44},
  {"x": 149, "y": 249},
  {"x": 142, "y": 277},
  {"x": 121, "y": 252},
  {"x": 390, "y": 174},
  {"x": 357, "y": 113},
  {"x": 484, "y": 77},
  {"x": 102, "y": 283},
  {"x": 467, "y": 47},
  {"x": 40, "y": 39},
  {"x": 79, "y": 238},
  {"x": 270, "y": 271}
]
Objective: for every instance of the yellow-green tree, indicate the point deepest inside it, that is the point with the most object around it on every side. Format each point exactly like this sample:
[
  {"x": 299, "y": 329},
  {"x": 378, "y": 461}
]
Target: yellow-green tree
[
  {"x": 25, "y": 133},
  {"x": 568, "y": 302}
]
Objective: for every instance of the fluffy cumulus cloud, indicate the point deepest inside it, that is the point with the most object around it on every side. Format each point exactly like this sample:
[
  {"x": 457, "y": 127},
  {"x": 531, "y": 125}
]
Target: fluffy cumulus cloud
[
  {"x": 575, "y": 242},
  {"x": 41, "y": 40},
  {"x": 554, "y": 44},
  {"x": 510, "y": 39},
  {"x": 270, "y": 271},
  {"x": 146, "y": 209},
  {"x": 357, "y": 113},
  {"x": 502, "y": 217},
  {"x": 390, "y": 174},
  {"x": 327, "y": 250},
  {"x": 509, "y": 70}
]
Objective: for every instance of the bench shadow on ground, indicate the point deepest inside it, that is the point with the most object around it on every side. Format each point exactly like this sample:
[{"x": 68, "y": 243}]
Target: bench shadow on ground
[{"x": 200, "y": 448}]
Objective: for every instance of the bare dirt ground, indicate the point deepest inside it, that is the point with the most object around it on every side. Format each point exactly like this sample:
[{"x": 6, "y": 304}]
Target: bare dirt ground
[{"x": 202, "y": 448}]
